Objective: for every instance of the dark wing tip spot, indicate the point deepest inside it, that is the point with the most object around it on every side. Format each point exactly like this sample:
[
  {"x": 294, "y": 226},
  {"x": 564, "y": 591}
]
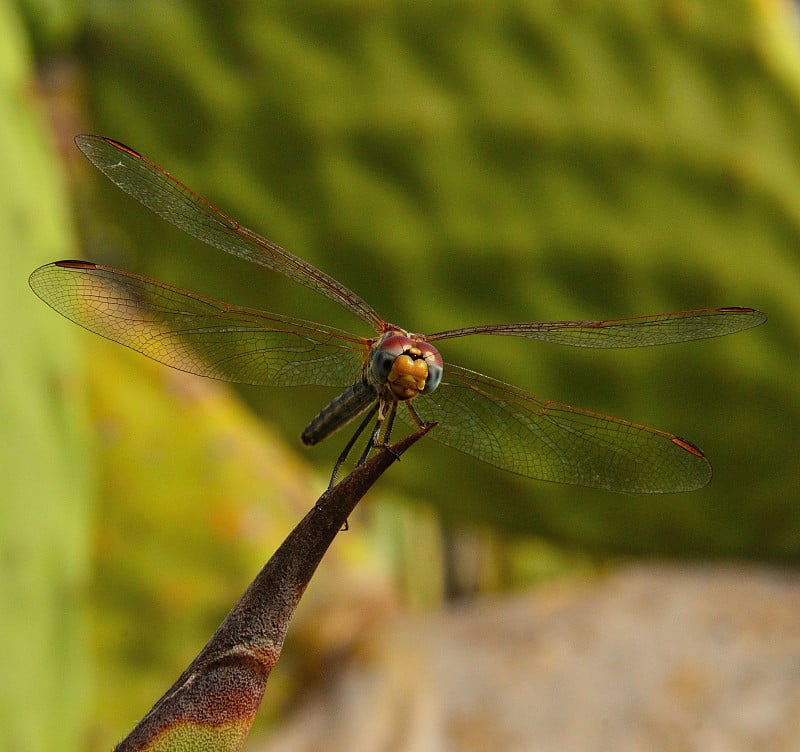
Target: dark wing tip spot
[
  {"x": 688, "y": 446},
  {"x": 75, "y": 264}
]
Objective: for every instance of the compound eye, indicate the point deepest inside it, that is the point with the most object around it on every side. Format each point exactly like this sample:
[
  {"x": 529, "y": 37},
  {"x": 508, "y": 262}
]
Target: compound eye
[
  {"x": 381, "y": 364},
  {"x": 435, "y": 371}
]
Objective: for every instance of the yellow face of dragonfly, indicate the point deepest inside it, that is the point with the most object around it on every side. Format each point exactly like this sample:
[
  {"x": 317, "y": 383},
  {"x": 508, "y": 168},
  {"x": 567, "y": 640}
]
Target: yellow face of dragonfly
[{"x": 404, "y": 366}]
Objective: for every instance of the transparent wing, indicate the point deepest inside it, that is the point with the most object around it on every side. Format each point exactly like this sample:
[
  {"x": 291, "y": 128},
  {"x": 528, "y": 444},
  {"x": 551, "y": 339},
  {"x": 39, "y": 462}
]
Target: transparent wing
[
  {"x": 516, "y": 431},
  {"x": 198, "y": 334},
  {"x": 176, "y": 203},
  {"x": 639, "y": 331}
]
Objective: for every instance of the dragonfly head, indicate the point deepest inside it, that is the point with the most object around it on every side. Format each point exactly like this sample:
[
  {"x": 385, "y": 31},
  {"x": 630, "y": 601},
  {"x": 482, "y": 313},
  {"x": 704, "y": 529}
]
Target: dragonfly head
[{"x": 405, "y": 365}]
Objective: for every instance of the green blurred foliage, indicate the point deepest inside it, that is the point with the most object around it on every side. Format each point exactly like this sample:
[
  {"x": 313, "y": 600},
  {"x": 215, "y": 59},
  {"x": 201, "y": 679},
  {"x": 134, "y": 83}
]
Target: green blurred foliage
[
  {"x": 45, "y": 469},
  {"x": 468, "y": 163},
  {"x": 52, "y": 25}
]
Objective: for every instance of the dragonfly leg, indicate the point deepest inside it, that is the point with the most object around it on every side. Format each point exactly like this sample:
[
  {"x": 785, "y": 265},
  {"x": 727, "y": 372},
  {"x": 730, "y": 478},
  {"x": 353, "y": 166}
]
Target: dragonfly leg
[
  {"x": 379, "y": 438},
  {"x": 349, "y": 446},
  {"x": 383, "y": 424},
  {"x": 416, "y": 416}
]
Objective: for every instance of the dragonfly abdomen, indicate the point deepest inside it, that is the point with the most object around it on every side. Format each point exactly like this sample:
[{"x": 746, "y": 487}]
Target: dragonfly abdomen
[{"x": 340, "y": 411}]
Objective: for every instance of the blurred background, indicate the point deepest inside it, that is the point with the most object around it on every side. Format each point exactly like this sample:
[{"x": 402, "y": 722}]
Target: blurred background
[{"x": 455, "y": 164}]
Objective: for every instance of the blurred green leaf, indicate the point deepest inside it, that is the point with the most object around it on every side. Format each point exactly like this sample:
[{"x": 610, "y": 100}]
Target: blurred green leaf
[{"x": 45, "y": 461}]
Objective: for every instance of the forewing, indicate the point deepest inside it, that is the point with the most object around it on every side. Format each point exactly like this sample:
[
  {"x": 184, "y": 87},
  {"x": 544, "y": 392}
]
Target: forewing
[
  {"x": 516, "y": 431},
  {"x": 199, "y": 334},
  {"x": 176, "y": 203},
  {"x": 640, "y": 331}
]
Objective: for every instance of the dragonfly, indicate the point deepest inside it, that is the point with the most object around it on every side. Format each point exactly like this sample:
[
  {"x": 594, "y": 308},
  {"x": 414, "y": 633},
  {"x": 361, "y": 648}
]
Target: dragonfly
[{"x": 386, "y": 374}]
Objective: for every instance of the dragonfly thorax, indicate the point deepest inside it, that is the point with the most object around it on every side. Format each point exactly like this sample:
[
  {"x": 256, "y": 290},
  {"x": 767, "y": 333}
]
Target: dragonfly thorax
[{"x": 402, "y": 366}]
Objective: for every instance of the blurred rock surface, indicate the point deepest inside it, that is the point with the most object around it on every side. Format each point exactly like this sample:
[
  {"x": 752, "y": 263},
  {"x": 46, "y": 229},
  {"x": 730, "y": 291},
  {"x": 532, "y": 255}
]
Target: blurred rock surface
[{"x": 652, "y": 657}]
